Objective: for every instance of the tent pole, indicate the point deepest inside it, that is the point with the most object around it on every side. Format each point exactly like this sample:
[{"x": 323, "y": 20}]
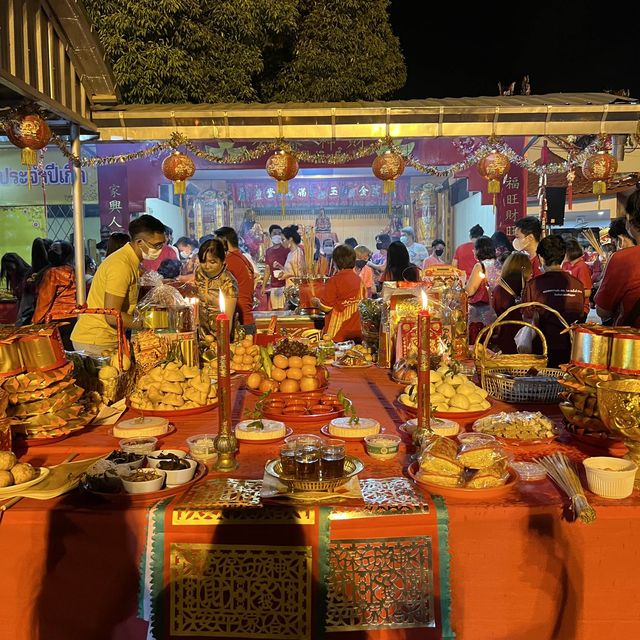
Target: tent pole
[{"x": 78, "y": 219}]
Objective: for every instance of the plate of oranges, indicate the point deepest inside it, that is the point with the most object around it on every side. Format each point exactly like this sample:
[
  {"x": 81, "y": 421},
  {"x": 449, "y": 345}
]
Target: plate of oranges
[{"x": 294, "y": 374}]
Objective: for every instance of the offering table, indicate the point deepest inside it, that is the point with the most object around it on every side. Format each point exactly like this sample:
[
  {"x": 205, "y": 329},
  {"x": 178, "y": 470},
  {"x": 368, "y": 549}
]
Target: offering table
[{"x": 517, "y": 570}]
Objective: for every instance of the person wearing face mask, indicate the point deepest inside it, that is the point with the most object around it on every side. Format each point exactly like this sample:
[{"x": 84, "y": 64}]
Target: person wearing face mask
[
  {"x": 272, "y": 285},
  {"x": 437, "y": 251},
  {"x": 363, "y": 269},
  {"x": 417, "y": 251},
  {"x": 168, "y": 252},
  {"x": 324, "y": 259},
  {"x": 212, "y": 277},
  {"x": 618, "y": 297},
  {"x": 188, "y": 250},
  {"x": 294, "y": 265},
  {"x": 464, "y": 257},
  {"x": 115, "y": 285},
  {"x": 528, "y": 234}
]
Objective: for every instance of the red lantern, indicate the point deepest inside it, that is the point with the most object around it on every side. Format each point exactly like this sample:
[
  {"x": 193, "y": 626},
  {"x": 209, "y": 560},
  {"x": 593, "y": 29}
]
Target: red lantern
[
  {"x": 283, "y": 167},
  {"x": 179, "y": 168},
  {"x": 493, "y": 167},
  {"x": 387, "y": 167},
  {"x": 599, "y": 168},
  {"x": 29, "y": 133}
]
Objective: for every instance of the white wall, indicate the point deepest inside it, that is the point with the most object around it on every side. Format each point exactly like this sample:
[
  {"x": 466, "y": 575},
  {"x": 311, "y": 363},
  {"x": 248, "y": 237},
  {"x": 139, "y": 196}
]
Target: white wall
[
  {"x": 168, "y": 213},
  {"x": 468, "y": 213}
]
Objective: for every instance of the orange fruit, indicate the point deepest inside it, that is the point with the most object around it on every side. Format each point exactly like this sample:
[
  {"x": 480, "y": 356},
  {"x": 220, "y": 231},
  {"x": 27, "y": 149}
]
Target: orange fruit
[
  {"x": 280, "y": 361},
  {"x": 237, "y": 359},
  {"x": 308, "y": 370},
  {"x": 278, "y": 374},
  {"x": 309, "y": 384},
  {"x": 294, "y": 373},
  {"x": 247, "y": 342},
  {"x": 246, "y": 359},
  {"x": 295, "y": 361},
  {"x": 267, "y": 385},
  {"x": 254, "y": 381},
  {"x": 239, "y": 350},
  {"x": 289, "y": 386},
  {"x": 309, "y": 360}
]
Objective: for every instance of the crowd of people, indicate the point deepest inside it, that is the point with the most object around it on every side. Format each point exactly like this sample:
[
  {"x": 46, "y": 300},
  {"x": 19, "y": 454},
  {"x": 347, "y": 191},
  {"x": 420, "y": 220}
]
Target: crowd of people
[{"x": 498, "y": 276}]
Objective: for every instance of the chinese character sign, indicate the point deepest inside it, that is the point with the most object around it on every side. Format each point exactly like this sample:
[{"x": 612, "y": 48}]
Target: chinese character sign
[
  {"x": 113, "y": 195},
  {"x": 345, "y": 193},
  {"x": 511, "y": 203}
]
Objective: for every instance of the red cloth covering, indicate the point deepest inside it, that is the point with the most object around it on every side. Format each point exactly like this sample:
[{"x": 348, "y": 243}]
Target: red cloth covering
[
  {"x": 276, "y": 253},
  {"x": 242, "y": 270},
  {"x": 580, "y": 271},
  {"x": 620, "y": 286},
  {"x": 465, "y": 257},
  {"x": 169, "y": 252},
  {"x": 341, "y": 290},
  {"x": 56, "y": 293},
  {"x": 519, "y": 570},
  {"x": 536, "y": 266}
]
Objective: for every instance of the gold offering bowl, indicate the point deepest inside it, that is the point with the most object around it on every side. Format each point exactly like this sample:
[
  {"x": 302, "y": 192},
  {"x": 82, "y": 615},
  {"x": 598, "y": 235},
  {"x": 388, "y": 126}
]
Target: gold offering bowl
[{"x": 619, "y": 404}]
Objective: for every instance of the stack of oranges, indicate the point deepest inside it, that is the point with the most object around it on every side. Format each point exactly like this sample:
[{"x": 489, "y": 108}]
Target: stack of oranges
[
  {"x": 245, "y": 355},
  {"x": 287, "y": 375}
]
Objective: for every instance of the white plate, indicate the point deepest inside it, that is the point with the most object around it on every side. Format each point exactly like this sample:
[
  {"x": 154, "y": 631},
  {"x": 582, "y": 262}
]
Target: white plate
[{"x": 44, "y": 472}]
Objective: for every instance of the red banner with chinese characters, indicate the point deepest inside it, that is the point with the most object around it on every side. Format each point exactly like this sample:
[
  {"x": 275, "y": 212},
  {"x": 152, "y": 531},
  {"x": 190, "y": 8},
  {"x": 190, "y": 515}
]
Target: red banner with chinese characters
[
  {"x": 324, "y": 193},
  {"x": 511, "y": 202}
]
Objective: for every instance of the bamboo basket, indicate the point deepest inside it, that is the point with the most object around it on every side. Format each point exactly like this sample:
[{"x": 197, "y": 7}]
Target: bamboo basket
[{"x": 491, "y": 368}]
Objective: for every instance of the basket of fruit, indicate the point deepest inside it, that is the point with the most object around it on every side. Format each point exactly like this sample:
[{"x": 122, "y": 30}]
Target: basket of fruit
[{"x": 287, "y": 367}]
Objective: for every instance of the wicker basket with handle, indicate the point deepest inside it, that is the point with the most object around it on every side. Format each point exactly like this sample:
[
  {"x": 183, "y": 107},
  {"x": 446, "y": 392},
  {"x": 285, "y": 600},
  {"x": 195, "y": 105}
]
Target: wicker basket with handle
[{"x": 513, "y": 364}]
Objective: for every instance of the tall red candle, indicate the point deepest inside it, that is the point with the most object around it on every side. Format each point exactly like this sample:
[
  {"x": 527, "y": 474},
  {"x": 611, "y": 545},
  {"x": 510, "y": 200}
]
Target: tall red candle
[
  {"x": 424, "y": 365},
  {"x": 225, "y": 441}
]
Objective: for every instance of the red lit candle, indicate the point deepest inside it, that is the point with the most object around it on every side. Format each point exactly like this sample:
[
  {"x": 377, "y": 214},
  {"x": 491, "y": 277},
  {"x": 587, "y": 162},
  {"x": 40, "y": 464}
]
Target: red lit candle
[{"x": 424, "y": 365}]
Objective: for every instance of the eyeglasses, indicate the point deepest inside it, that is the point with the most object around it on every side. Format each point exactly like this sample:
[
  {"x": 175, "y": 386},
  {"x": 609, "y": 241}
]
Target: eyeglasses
[{"x": 157, "y": 245}]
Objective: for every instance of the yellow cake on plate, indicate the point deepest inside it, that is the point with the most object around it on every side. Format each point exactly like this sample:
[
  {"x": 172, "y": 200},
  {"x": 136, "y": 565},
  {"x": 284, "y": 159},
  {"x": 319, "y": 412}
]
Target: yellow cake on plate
[
  {"x": 147, "y": 426},
  {"x": 271, "y": 429},
  {"x": 340, "y": 427}
]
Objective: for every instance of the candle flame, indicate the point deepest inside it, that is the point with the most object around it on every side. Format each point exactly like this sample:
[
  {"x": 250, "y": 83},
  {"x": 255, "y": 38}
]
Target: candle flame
[
  {"x": 425, "y": 300},
  {"x": 221, "y": 301}
]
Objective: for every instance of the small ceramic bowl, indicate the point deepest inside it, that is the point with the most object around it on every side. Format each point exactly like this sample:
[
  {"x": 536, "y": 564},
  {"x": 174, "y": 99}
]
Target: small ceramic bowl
[
  {"x": 123, "y": 467},
  {"x": 181, "y": 476},
  {"x": 610, "y": 477},
  {"x": 202, "y": 449},
  {"x": 142, "y": 444},
  {"x": 382, "y": 446},
  {"x": 153, "y": 459},
  {"x": 154, "y": 483}
]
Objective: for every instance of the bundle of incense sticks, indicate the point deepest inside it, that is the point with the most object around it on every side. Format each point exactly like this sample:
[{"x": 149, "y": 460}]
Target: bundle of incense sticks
[
  {"x": 562, "y": 471},
  {"x": 594, "y": 241}
]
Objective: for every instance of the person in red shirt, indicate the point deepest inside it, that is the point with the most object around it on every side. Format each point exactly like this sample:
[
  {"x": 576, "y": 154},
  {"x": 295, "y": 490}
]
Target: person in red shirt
[
  {"x": 275, "y": 253},
  {"x": 528, "y": 234},
  {"x": 242, "y": 270},
  {"x": 618, "y": 296},
  {"x": 559, "y": 290},
  {"x": 578, "y": 268},
  {"x": 341, "y": 296},
  {"x": 464, "y": 257}
]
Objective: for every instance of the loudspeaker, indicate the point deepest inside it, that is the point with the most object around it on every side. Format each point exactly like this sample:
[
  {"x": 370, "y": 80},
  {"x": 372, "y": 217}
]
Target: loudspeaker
[{"x": 556, "y": 199}]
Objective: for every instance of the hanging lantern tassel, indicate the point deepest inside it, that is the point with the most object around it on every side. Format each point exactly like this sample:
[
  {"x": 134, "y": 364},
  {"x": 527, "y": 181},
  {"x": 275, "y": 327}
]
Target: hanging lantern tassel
[
  {"x": 282, "y": 203},
  {"x": 178, "y": 168},
  {"x": 599, "y": 189},
  {"x": 493, "y": 167},
  {"x": 599, "y": 168},
  {"x": 282, "y": 186},
  {"x": 571, "y": 175},
  {"x": 389, "y": 186}
]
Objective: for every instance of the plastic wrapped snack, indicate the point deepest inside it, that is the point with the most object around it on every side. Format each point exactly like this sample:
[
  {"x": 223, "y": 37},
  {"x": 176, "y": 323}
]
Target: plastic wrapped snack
[
  {"x": 520, "y": 425},
  {"x": 440, "y": 479},
  {"x": 443, "y": 447},
  {"x": 433, "y": 463},
  {"x": 479, "y": 455},
  {"x": 494, "y": 476}
]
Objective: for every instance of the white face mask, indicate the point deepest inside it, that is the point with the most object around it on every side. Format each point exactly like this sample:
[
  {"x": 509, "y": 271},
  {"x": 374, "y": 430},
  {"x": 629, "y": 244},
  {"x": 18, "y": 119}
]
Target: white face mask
[
  {"x": 519, "y": 245},
  {"x": 404, "y": 239},
  {"x": 184, "y": 255},
  {"x": 152, "y": 253},
  {"x": 276, "y": 239}
]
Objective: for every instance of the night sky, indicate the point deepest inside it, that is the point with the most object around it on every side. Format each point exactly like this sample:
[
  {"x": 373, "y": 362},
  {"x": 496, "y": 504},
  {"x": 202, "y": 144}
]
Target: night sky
[{"x": 458, "y": 49}]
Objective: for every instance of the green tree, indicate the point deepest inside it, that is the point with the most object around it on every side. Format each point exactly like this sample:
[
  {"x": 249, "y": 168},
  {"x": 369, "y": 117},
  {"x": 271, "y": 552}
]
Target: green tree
[
  {"x": 189, "y": 50},
  {"x": 345, "y": 50},
  {"x": 249, "y": 50}
]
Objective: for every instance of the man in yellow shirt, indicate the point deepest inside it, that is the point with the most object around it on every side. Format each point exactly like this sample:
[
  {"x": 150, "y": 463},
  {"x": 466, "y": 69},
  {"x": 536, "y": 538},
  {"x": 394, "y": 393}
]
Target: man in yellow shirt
[{"x": 115, "y": 286}]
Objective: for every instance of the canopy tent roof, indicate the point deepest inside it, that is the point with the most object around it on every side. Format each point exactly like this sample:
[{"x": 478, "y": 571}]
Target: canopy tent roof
[
  {"x": 551, "y": 114},
  {"x": 50, "y": 55}
]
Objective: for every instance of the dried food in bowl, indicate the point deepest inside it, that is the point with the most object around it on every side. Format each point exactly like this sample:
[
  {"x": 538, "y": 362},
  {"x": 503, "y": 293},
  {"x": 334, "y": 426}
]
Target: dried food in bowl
[{"x": 382, "y": 447}]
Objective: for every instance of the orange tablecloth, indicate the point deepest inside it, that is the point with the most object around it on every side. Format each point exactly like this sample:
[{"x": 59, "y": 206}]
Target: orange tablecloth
[{"x": 518, "y": 570}]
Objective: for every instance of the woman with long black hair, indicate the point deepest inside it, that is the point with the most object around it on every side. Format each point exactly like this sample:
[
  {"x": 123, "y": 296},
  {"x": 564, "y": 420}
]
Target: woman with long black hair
[{"x": 399, "y": 267}]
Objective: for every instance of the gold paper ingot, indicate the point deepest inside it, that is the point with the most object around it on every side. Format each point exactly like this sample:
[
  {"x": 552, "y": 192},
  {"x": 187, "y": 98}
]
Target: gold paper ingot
[
  {"x": 42, "y": 352},
  {"x": 11, "y": 363},
  {"x": 591, "y": 348},
  {"x": 625, "y": 353},
  {"x": 155, "y": 318}
]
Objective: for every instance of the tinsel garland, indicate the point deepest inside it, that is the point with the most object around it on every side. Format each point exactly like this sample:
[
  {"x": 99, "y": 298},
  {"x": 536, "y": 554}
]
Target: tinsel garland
[{"x": 337, "y": 158}]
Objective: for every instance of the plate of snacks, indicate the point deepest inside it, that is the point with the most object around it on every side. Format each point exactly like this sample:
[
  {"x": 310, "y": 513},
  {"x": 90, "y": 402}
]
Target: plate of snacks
[
  {"x": 15, "y": 476},
  {"x": 357, "y": 357},
  {"x": 306, "y": 408},
  {"x": 350, "y": 428},
  {"x": 261, "y": 431},
  {"x": 517, "y": 428},
  {"x": 452, "y": 396},
  {"x": 468, "y": 471}
]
